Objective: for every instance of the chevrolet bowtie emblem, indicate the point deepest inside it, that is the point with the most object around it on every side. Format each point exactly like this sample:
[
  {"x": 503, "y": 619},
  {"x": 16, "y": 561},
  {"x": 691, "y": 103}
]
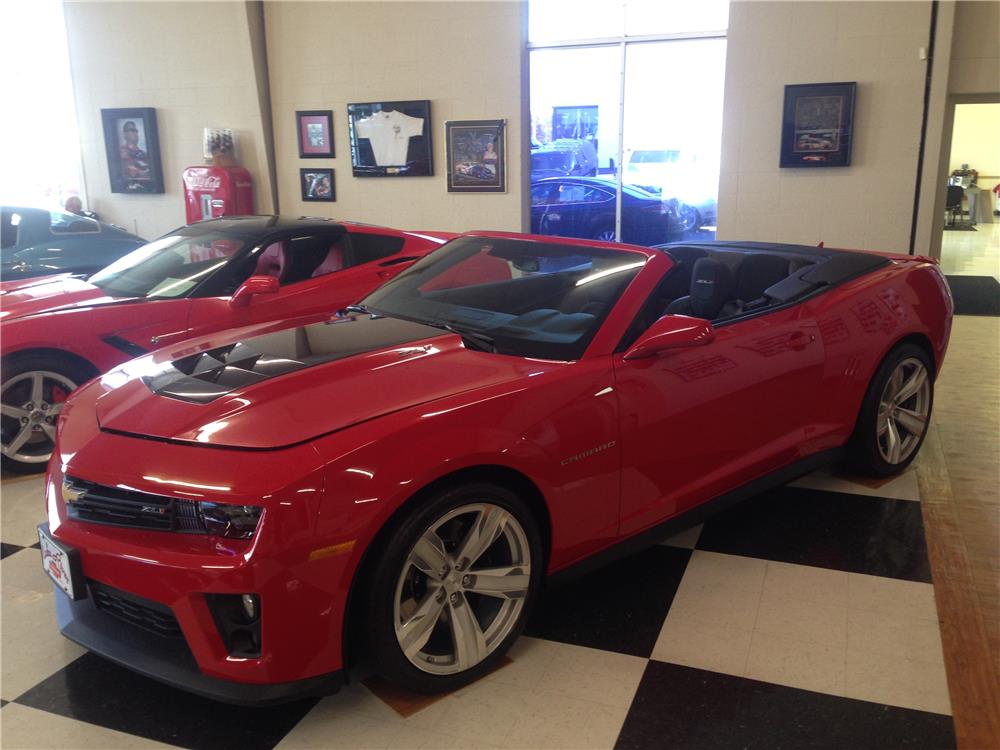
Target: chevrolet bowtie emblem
[{"x": 70, "y": 494}]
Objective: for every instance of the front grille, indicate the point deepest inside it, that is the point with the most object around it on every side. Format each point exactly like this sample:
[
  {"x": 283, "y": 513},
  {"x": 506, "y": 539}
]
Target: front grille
[
  {"x": 113, "y": 506},
  {"x": 148, "y": 615}
]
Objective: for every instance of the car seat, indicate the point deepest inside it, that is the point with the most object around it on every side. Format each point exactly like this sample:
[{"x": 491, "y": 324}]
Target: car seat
[
  {"x": 333, "y": 262},
  {"x": 712, "y": 288},
  {"x": 272, "y": 261},
  {"x": 757, "y": 273}
]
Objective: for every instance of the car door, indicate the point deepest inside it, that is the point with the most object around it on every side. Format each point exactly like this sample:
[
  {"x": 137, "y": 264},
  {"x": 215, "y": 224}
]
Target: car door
[
  {"x": 700, "y": 421},
  {"x": 320, "y": 272}
]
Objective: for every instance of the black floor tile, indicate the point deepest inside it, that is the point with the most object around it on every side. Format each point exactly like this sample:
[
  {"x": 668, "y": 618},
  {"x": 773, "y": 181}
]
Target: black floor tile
[
  {"x": 6, "y": 550},
  {"x": 620, "y": 607},
  {"x": 684, "y": 707},
  {"x": 3, "y": 702},
  {"x": 94, "y": 690},
  {"x": 856, "y": 533}
]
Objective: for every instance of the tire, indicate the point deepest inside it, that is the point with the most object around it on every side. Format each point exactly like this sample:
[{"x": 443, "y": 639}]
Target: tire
[
  {"x": 19, "y": 390},
  {"x": 896, "y": 410},
  {"x": 403, "y": 596}
]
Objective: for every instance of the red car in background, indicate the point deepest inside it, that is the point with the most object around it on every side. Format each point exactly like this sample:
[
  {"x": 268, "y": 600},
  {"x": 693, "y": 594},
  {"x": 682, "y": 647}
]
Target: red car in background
[
  {"x": 59, "y": 332},
  {"x": 241, "y": 515}
]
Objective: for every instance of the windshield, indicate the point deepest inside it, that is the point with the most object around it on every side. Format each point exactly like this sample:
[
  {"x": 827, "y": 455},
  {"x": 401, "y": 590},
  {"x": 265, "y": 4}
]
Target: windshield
[
  {"x": 532, "y": 299},
  {"x": 168, "y": 267}
]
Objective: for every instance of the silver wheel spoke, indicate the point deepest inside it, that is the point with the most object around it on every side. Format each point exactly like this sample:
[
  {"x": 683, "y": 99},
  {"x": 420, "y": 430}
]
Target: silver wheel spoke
[
  {"x": 504, "y": 583},
  {"x": 911, "y": 421},
  {"x": 37, "y": 388},
  {"x": 414, "y": 633},
  {"x": 55, "y": 409},
  {"x": 429, "y": 555},
  {"x": 895, "y": 383},
  {"x": 911, "y": 386},
  {"x": 12, "y": 411},
  {"x": 487, "y": 527},
  {"x": 50, "y": 431},
  {"x": 895, "y": 443},
  {"x": 467, "y": 636},
  {"x": 19, "y": 440}
]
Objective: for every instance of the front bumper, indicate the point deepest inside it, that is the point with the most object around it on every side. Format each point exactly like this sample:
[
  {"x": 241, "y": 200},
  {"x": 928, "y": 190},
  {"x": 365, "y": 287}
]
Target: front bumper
[{"x": 169, "y": 660}]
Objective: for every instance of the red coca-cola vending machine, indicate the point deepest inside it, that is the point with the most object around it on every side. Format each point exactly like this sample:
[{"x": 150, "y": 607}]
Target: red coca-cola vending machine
[{"x": 211, "y": 192}]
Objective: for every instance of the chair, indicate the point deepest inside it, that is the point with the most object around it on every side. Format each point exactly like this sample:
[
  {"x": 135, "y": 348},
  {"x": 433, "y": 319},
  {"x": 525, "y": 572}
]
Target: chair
[{"x": 953, "y": 202}]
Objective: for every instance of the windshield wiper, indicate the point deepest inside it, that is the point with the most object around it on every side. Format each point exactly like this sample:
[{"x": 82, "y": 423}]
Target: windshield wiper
[{"x": 472, "y": 339}]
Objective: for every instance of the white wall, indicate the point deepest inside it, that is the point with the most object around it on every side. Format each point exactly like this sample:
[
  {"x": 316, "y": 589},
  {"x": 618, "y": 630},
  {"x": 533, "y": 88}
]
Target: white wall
[
  {"x": 463, "y": 56},
  {"x": 866, "y": 205},
  {"x": 193, "y": 63},
  {"x": 975, "y": 140},
  {"x": 975, "y": 52}
]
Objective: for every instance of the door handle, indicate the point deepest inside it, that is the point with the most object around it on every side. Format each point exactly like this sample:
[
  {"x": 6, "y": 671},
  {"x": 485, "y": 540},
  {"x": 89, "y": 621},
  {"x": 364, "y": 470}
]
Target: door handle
[{"x": 799, "y": 340}]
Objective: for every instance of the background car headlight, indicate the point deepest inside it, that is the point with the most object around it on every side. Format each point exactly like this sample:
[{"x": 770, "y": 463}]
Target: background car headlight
[{"x": 232, "y": 521}]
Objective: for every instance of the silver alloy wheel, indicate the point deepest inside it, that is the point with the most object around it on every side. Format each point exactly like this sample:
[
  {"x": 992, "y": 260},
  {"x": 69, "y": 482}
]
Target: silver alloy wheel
[
  {"x": 29, "y": 415},
  {"x": 462, "y": 588},
  {"x": 903, "y": 411},
  {"x": 607, "y": 235}
]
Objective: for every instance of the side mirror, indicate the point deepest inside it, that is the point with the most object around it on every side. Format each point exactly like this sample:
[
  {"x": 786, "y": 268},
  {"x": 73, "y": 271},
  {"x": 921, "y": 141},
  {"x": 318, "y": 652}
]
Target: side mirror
[
  {"x": 671, "y": 332},
  {"x": 253, "y": 286}
]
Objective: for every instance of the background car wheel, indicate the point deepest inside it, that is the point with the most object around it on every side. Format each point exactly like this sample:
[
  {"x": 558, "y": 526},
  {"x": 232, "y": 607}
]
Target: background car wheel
[
  {"x": 31, "y": 396},
  {"x": 605, "y": 234},
  {"x": 453, "y": 588},
  {"x": 895, "y": 413}
]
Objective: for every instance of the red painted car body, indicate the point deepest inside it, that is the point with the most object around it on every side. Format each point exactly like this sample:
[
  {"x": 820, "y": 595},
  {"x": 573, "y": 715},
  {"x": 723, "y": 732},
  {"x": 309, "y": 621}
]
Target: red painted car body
[
  {"x": 606, "y": 445},
  {"x": 69, "y": 316}
]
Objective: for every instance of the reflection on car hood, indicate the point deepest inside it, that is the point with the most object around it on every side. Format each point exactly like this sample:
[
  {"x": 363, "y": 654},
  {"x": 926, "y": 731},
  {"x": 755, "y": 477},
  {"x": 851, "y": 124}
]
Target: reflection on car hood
[
  {"x": 282, "y": 388},
  {"x": 34, "y": 296}
]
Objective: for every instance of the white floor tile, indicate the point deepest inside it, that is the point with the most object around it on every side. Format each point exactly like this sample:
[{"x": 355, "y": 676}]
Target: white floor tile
[
  {"x": 902, "y": 487},
  {"x": 23, "y": 506},
  {"x": 29, "y": 728}
]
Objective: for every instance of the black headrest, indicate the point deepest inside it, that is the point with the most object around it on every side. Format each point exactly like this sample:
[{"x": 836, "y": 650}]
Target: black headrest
[
  {"x": 712, "y": 285},
  {"x": 757, "y": 273}
]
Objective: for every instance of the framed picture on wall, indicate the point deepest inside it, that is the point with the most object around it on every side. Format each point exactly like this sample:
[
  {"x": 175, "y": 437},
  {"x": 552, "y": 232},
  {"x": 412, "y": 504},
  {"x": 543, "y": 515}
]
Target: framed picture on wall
[
  {"x": 315, "y": 129},
  {"x": 133, "y": 148},
  {"x": 477, "y": 156},
  {"x": 817, "y": 125},
  {"x": 391, "y": 139},
  {"x": 317, "y": 185}
]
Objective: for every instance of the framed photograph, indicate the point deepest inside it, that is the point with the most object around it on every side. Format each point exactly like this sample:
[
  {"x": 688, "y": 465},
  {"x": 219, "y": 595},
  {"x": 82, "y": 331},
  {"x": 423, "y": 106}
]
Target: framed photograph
[
  {"x": 315, "y": 129},
  {"x": 477, "y": 156},
  {"x": 391, "y": 139},
  {"x": 817, "y": 125},
  {"x": 317, "y": 185},
  {"x": 133, "y": 148}
]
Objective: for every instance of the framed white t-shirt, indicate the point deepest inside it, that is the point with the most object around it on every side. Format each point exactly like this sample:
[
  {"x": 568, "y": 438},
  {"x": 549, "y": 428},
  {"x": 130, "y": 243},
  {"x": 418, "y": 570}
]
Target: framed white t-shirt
[{"x": 389, "y": 134}]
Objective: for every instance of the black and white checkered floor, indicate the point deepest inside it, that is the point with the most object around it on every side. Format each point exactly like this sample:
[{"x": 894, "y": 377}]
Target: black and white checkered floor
[{"x": 803, "y": 618}]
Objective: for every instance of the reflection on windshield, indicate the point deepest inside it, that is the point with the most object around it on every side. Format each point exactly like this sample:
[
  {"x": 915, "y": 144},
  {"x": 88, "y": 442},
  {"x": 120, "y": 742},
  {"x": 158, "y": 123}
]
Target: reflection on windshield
[
  {"x": 167, "y": 268},
  {"x": 517, "y": 297}
]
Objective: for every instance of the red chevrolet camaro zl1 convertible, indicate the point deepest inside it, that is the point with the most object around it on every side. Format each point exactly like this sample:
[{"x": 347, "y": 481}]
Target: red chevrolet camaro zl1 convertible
[
  {"x": 59, "y": 332},
  {"x": 242, "y": 515}
]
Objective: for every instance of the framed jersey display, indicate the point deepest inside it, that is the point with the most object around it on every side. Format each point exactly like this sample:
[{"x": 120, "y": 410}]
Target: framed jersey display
[
  {"x": 133, "y": 148},
  {"x": 391, "y": 139}
]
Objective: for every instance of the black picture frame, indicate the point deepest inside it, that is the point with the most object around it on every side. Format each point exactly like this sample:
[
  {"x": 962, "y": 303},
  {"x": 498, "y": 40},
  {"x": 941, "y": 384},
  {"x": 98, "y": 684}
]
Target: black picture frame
[
  {"x": 477, "y": 156},
  {"x": 315, "y": 133},
  {"x": 384, "y": 133},
  {"x": 817, "y": 128},
  {"x": 132, "y": 145},
  {"x": 312, "y": 186}
]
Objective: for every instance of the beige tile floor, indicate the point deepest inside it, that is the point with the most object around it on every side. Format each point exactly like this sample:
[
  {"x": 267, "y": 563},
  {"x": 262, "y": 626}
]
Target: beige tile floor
[{"x": 972, "y": 253}]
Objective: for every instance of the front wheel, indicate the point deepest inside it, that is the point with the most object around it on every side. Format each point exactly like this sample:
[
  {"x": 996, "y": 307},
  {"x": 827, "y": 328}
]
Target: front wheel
[
  {"x": 454, "y": 587},
  {"x": 31, "y": 396},
  {"x": 895, "y": 413}
]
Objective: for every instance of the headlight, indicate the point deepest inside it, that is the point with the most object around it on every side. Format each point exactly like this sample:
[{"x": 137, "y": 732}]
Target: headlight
[{"x": 232, "y": 521}]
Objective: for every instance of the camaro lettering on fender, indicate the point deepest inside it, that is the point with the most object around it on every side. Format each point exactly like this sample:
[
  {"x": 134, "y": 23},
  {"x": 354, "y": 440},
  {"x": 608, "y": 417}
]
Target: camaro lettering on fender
[{"x": 587, "y": 453}]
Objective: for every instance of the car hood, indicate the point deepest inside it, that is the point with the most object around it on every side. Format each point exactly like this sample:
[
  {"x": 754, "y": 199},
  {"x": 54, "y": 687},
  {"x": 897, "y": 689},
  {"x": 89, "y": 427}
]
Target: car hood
[
  {"x": 34, "y": 296},
  {"x": 282, "y": 388}
]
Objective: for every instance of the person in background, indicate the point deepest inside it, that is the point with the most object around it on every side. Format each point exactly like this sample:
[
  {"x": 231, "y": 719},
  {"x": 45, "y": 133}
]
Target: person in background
[{"x": 74, "y": 205}]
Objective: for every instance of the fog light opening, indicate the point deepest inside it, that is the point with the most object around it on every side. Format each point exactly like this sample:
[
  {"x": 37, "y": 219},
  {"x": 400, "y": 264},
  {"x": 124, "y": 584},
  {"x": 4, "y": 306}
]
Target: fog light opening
[
  {"x": 237, "y": 617},
  {"x": 251, "y": 606}
]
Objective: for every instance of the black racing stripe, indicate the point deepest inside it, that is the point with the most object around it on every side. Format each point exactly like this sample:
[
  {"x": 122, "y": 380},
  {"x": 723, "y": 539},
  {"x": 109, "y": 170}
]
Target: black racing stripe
[{"x": 201, "y": 378}]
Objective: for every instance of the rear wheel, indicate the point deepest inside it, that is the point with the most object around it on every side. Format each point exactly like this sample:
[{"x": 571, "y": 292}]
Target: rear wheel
[
  {"x": 454, "y": 587},
  {"x": 31, "y": 395},
  {"x": 895, "y": 413}
]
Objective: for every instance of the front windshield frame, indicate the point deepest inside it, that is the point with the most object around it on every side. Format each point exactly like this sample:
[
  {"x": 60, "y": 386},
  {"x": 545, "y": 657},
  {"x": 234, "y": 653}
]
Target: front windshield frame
[
  {"x": 185, "y": 286},
  {"x": 558, "y": 324}
]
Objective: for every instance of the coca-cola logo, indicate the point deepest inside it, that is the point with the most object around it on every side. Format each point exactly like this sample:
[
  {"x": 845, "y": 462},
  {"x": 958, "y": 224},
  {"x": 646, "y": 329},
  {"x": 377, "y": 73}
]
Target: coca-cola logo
[{"x": 203, "y": 181}]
